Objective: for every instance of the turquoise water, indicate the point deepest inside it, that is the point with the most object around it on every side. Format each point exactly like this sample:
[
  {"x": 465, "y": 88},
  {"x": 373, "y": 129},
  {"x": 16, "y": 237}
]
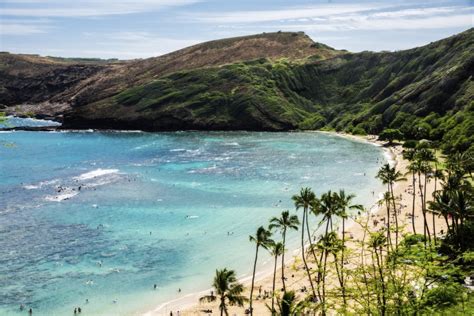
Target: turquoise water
[{"x": 153, "y": 208}]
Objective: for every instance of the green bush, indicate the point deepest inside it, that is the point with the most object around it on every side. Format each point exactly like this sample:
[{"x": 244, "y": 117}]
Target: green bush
[{"x": 444, "y": 295}]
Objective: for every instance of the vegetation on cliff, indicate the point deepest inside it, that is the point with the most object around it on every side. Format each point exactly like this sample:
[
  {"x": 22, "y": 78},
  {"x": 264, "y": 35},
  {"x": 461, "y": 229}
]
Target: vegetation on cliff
[
  {"x": 426, "y": 92},
  {"x": 272, "y": 81}
]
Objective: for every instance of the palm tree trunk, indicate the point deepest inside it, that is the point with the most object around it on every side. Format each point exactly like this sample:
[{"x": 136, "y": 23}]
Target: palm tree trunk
[
  {"x": 433, "y": 214},
  {"x": 320, "y": 263},
  {"x": 382, "y": 282},
  {"x": 222, "y": 306},
  {"x": 396, "y": 216},
  {"x": 377, "y": 282},
  {"x": 323, "y": 301},
  {"x": 413, "y": 205},
  {"x": 303, "y": 255},
  {"x": 342, "y": 262},
  {"x": 424, "y": 208},
  {"x": 253, "y": 279},
  {"x": 389, "y": 237},
  {"x": 283, "y": 261},
  {"x": 420, "y": 187},
  {"x": 273, "y": 289},
  {"x": 311, "y": 247},
  {"x": 447, "y": 223}
]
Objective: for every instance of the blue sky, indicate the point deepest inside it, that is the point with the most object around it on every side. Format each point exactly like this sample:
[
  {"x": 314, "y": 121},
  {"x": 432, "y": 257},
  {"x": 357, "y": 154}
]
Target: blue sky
[{"x": 143, "y": 28}]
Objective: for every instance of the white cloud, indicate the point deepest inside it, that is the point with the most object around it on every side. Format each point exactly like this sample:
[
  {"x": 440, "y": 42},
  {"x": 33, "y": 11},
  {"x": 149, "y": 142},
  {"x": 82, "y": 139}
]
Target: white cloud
[
  {"x": 418, "y": 12},
  {"x": 363, "y": 23},
  {"x": 132, "y": 44},
  {"x": 290, "y": 13},
  {"x": 338, "y": 17},
  {"x": 21, "y": 29},
  {"x": 24, "y": 26},
  {"x": 86, "y": 8}
]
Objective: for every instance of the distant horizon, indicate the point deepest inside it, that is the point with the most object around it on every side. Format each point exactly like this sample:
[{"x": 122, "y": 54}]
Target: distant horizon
[
  {"x": 126, "y": 29},
  {"x": 217, "y": 39}
]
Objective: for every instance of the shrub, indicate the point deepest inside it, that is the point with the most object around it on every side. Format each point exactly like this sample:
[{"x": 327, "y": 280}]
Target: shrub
[{"x": 390, "y": 135}]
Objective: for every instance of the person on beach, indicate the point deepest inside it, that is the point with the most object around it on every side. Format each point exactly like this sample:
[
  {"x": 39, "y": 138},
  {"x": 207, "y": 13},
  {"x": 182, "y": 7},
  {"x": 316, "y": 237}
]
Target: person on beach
[
  {"x": 79, "y": 310},
  {"x": 75, "y": 311},
  {"x": 30, "y": 311},
  {"x": 154, "y": 287}
]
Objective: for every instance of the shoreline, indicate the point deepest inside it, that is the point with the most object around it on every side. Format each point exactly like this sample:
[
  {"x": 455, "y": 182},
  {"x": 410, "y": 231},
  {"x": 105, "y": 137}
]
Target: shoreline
[{"x": 189, "y": 303}]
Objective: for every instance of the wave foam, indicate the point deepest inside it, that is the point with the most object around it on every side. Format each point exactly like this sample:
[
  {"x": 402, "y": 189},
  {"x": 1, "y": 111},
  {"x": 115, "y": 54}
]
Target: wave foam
[
  {"x": 67, "y": 194},
  {"x": 96, "y": 173}
]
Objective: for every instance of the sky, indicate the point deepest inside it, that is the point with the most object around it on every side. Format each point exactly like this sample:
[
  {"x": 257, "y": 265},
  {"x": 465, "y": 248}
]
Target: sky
[{"x": 129, "y": 29}]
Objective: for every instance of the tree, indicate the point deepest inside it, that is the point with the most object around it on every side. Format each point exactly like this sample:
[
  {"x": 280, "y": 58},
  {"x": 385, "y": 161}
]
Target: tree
[
  {"x": 283, "y": 223},
  {"x": 344, "y": 204},
  {"x": 390, "y": 135},
  {"x": 261, "y": 239},
  {"x": 412, "y": 168},
  {"x": 424, "y": 156},
  {"x": 441, "y": 205},
  {"x": 228, "y": 289},
  {"x": 386, "y": 200},
  {"x": 327, "y": 207},
  {"x": 377, "y": 242},
  {"x": 304, "y": 200},
  {"x": 389, "y": 175},
  {"x": 288, "y": 305},
  {"x": 276, "y": 250}
]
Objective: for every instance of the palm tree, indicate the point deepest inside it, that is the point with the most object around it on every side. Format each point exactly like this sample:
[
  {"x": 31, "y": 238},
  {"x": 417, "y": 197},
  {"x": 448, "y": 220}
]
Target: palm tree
[
  {"x": 462, "y": 203},
  {"x": 344, "y": 203},
  {"x": 261, "y": 239},
  {"x": 424, "y": 156},
  {"x": 377, "y": 242},
  {"x": 386, "y": 200},
  {"x": 441, "y": 205},
  {"x": 283, "y": 223},
  {"x": 326, "y": 245},
  {"x": 288, "y": 305},
  {"x": 389, "y": 175},
  {"x": 462, "y": 163},
  {"x": 228, "y": 290},
  {"x": 335, "y": 246},
  {"x": 327, "y": 207},
  {"x": 277, "y": 250},
  {"x": 304, "y": 200},
  {"x": 437, "y": 174},
  {"x": 412, "y": 168}
]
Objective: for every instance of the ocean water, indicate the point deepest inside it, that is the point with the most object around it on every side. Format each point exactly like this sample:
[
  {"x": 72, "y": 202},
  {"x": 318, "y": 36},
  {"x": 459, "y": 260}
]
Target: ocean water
[{"x": 103, "y": 216}]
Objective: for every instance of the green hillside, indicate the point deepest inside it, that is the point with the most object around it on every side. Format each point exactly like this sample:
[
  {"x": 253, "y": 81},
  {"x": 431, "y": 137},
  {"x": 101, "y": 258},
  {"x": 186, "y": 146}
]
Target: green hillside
[{"x": 426, "y": 92}]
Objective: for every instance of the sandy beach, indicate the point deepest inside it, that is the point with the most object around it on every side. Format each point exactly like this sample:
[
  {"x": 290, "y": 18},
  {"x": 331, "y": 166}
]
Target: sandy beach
[{"x": 294, "y": 270}]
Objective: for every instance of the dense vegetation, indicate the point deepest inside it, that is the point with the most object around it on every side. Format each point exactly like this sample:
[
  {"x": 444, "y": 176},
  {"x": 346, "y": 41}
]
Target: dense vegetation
[
  {"x": 426, "y": 92},
  {"x": 391, "y": 270}
]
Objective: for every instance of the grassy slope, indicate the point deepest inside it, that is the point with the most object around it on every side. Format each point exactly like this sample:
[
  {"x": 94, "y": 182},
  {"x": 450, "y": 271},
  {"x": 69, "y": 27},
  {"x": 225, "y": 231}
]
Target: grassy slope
[
  {"x": 35, "y": 79},
  {"x": 76, "y": 81},
  {"x": 426, "y": 92}
]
